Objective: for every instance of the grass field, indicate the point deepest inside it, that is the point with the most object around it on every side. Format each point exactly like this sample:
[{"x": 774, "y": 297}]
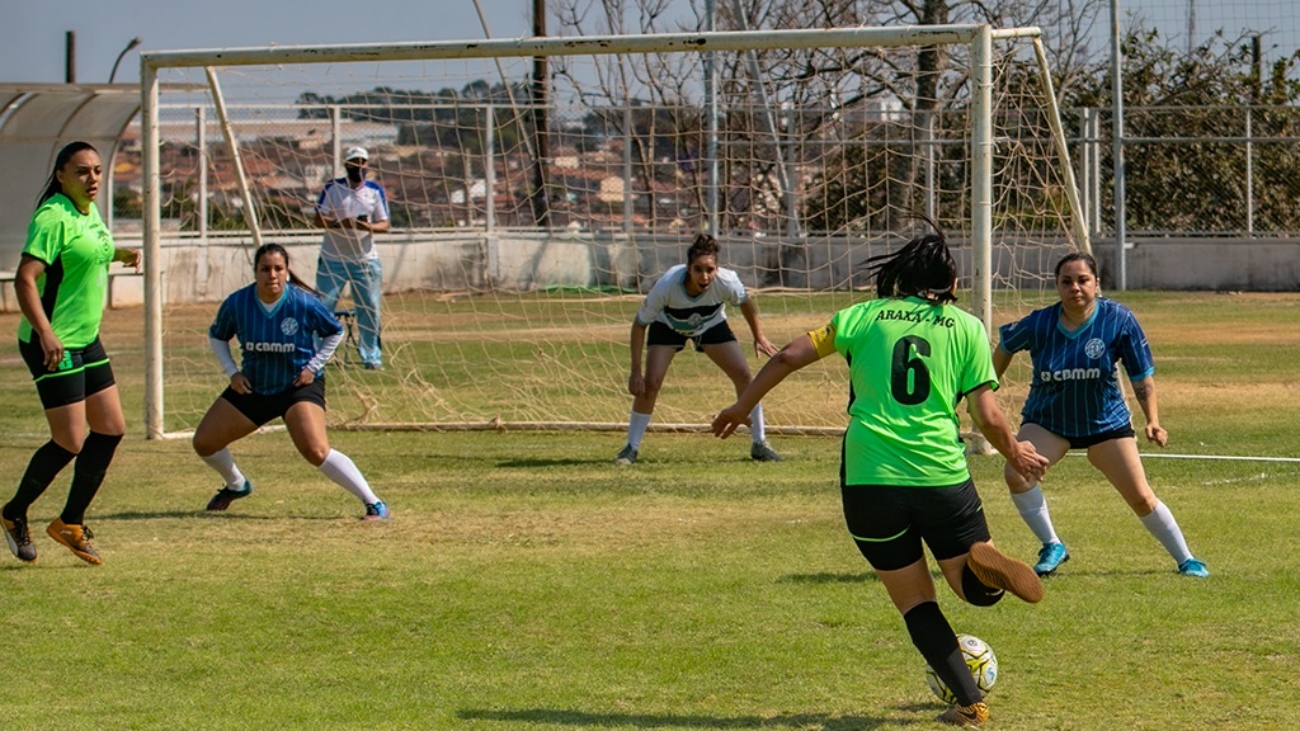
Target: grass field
[{"x": 526, "y": 583}]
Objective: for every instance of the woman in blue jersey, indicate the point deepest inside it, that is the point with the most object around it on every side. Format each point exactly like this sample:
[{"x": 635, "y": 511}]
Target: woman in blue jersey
[
  {"x": 281, "y": 374},
  {"x": 1075, "y": 402},
  {"x": 913, "y": 357},
  {"x": 60, "y": 285},
  {"x": 688, "y": 304}
]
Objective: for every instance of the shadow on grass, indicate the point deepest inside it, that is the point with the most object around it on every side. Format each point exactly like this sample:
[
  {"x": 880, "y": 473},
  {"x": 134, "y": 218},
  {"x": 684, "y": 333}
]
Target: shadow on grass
[
  {"x": 826, "y": 577},
  {"x": 821, "y": 721},
  {"x": 205, "y": 515},
  {"x": 525, "y": 464}
]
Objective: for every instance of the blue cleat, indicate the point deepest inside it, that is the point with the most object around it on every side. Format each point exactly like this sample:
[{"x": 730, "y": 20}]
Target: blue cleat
[
  {"x": 225, "y": 496},
  {"x": 377, "y": 511},
  {"x": 1051, "y": 558},
  {"x": 1194, "y": 568}
]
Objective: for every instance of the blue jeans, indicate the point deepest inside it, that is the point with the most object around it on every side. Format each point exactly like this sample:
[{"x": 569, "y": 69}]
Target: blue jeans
[{"x": 366, "y": 280}]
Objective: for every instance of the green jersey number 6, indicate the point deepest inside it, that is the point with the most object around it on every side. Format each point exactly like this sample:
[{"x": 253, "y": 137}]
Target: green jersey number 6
[{"x": 909, "y": 380}]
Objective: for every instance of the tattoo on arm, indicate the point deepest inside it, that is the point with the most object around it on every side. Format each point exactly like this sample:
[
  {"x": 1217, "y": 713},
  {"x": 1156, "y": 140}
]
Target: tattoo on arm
[{"x": 1143, "y": 389}]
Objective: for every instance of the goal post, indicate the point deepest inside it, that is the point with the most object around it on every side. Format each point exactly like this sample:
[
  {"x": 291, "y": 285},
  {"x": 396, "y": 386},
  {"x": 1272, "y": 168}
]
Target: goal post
[{"x": 471, "y": 272}]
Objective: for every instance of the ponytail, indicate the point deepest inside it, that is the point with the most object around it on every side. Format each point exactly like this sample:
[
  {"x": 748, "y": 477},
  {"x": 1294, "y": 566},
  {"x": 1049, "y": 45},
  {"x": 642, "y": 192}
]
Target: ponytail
[{"x": 52, "y": 184}]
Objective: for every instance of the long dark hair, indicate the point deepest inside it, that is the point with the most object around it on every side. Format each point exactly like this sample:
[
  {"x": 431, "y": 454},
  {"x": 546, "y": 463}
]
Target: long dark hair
[
  {"x": 294, "y": 279},
  {"x": 52, "y": 184},
  {"x": 923, "y": 268}
]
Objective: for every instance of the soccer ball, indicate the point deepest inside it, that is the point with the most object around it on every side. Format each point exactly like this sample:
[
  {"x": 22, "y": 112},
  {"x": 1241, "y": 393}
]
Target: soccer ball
[{"x": 980, "y": 659}]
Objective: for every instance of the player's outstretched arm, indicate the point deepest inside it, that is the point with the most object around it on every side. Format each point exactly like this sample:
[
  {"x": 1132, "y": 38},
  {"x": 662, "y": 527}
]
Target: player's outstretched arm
[
  {"x": 993, "y": 424},
  {"x": 795, "y": 355},
  {"x": 762, "y": 346}
]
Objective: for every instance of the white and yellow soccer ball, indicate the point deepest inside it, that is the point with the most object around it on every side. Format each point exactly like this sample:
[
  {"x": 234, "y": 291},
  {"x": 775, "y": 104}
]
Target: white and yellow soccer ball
[{"x": 979, "y": 658}]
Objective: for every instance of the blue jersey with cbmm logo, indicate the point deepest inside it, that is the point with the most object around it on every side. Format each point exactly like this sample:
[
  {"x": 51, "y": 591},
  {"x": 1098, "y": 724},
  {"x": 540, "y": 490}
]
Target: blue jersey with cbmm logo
[
  {"x": 1075, "y": 391},
  {"x": 276, "y": 343}
]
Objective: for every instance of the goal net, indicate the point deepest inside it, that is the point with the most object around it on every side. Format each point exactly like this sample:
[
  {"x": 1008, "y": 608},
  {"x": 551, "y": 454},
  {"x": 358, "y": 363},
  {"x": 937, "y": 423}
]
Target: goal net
[{"x": 538, "y": 188}]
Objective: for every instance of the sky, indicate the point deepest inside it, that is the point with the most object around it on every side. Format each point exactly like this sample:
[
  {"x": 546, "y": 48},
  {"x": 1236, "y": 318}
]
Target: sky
[
  {"x": 35, "y": 38},
  {"x": 34, "y": 47}
]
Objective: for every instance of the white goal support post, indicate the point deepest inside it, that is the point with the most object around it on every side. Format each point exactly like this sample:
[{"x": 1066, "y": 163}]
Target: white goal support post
[{"x": 533, "y": 210}]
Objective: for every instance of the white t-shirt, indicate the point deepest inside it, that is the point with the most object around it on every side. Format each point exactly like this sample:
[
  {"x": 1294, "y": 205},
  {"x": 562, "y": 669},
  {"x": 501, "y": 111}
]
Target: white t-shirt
[
  {"x": 669, "y": 303},
  {"x": 340, "y": 200}
]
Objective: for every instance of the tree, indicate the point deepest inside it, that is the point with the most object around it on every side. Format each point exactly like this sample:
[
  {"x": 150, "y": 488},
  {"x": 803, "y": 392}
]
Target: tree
[{"x": 1200, "y": 185}]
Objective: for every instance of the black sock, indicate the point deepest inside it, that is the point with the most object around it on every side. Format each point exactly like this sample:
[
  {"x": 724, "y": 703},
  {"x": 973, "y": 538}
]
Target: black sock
[
  {"x": 44, "y": 466},
  {"x": 934, "y": 637},
  {"x": 976, "y": 591},
  {"x": 88, "y": 475}
]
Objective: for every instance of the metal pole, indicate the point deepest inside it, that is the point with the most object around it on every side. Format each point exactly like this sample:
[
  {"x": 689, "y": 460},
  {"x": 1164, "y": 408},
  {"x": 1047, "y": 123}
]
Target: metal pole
[
  {"x": 628, "y": 131},
  {"x": 1085, "y": 168},
  {"x": 70, "y": 57},
  {"x": 1117, "y": 127},
  {"x": 151, "y": 249},
  {"x": 1077, "y": 222},
  {"x": 490, "y": 169},
  {"x": 711, "y": 124},
  {"x": 250, "y": 213},
  {"x": 930, "y": 192},
  {"x": 336, "y": 139},
  {"x": 201, "y": 123},
  {"x": 1250, "y": 174},
  {"x": 982, "y": 176}
]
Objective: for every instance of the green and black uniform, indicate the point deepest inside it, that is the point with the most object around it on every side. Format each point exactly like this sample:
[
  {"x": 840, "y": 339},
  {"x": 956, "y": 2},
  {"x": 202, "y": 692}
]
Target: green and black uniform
[
  {"x": 77, "y": 249},
  {"x": 904, "y": 472}
]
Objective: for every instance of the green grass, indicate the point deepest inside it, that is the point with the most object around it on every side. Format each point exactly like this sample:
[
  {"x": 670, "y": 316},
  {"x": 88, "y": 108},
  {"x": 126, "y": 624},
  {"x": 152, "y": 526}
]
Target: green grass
[{"x": 526, "y": 584}]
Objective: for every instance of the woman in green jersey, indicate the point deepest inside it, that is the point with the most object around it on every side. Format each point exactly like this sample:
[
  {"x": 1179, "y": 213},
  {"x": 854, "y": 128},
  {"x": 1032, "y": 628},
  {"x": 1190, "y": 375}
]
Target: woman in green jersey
[
  {"x": 60, "y": 285},
  {"x": 913, "y": 357}
]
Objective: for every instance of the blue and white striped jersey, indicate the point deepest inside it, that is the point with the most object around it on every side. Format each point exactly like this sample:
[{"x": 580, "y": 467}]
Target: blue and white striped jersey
[
  {"x": 275, "y": 343},
  {"x": 1075, "y": 391}
]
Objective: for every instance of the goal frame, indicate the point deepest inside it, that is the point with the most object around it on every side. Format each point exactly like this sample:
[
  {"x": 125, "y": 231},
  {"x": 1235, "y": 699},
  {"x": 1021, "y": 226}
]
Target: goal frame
[{"x": 979, "y": 38}]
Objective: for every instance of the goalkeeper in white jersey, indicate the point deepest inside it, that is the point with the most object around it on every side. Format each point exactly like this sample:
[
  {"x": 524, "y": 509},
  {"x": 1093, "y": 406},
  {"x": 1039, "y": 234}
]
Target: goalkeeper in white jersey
[{"x": 688, "y": 303}]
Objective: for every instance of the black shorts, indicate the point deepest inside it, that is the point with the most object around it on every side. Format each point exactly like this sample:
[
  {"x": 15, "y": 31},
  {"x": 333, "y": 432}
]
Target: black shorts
[
  {"x": 888, "y": 523},
  {"x": 1124, "y": 432},
  {"x": 261, "y": 408},
  {"x": 661, "y": 334},
  {"x": 82, "y": 372}
]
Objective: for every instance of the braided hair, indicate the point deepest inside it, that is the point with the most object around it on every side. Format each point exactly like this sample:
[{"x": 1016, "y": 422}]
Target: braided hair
[{"x": 922, "y": 268}]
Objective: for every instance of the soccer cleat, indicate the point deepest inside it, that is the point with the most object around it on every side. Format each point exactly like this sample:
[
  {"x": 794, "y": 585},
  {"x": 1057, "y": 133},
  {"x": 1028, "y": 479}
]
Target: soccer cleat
[
  {"x": 626, "y": 455},
  {"x": 19, "y": 538},
  {"x": 373, "y": 366},
  {"x": 76, "y": 538},
  {"x": 998, "y": 570},
  {"x": 225, "y": 496},
  {"x": 377, "y": 511},
  {"x": 1051, "y": 558},
  {"x": 1191, "y": 567},
  {"x": 763, "y": 452},
  {"x": 972, "y": 715}
]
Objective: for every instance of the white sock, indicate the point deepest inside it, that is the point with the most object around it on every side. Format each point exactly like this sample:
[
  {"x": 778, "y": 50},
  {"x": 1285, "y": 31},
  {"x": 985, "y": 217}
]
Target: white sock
[
  {"x": 636, "y": 426},
  {"x": 1160, "y": 522},
  {"x": 224, "y": 463},
  {"x": 757, "y": 431},
  {"x": 339, "y": 468},
  {"x": 1033, "y": 509}
]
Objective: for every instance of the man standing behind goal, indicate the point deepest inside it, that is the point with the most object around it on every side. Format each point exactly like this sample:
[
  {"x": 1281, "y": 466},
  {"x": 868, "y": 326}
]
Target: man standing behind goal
[{"x": 352, "y": 209}]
